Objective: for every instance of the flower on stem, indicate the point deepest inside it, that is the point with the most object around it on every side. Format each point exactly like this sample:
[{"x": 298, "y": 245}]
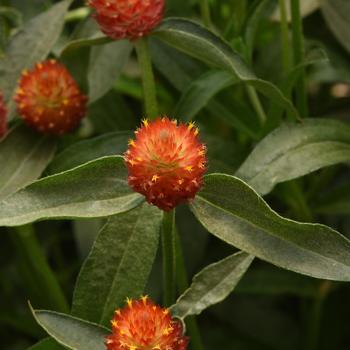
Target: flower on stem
[
  {"x": 3, "y": 117},
  {"x": 129, "y": 19},
  {"x": 166, "y": 162},
  {"x": 142, "y": 325},
  {"x": 49, "y": 100}
]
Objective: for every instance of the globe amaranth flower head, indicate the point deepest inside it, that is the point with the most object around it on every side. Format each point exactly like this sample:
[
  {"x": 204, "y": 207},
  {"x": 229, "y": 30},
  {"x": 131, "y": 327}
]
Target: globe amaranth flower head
[
  {"x": 129, "y": 19},
  {"x": 166, "y": 162},
  {"x": 49, "y": 100},
  {"x": 142, "y": 325},
  {"x": 3, "y": 117}
]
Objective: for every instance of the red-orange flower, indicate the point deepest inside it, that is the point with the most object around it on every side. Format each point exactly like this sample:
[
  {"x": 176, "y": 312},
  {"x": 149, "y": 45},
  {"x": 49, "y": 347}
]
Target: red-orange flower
[
  {"x": 166, "y": 162},
  {"x": 49, "y": 99},
  {"x": 3, "y": 117},
  {"x": 130, "y": 19},
  {"x": 142, "y": 325}
]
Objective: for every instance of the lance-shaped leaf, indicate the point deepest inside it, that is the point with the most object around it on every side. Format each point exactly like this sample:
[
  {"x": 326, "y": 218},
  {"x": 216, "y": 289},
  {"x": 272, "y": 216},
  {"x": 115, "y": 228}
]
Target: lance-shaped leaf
[
  {"x": 199, "y": 42},
  {"x": 235, "y": 213},
  {"x": 26, "y": 155},
  {"x": 82, "y": 152},
  {"x": 212, "y": 285},
  {"x": 71, "y": 332},
  {"x": 106, "y": 63},
  {"x": 200, "y": 92},
  {"x": 96, "y": 189},
  {"x": 31, "y": 44},
  {"x": 336, "y": 13},
  {"x": 119, "y": 264},
  {"x": 87, "y": 33},
  {"x": 294, "y": 150}
]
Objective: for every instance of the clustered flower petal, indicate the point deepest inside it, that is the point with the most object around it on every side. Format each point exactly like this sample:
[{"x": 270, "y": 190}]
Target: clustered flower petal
[
  {"x": 49, "y": 100},
  {"x": 142, "y": 325},
  {"x": 166, "y": 162},
  {"x": 129, "y": 19},
  {"x": 3, "y": 117}
]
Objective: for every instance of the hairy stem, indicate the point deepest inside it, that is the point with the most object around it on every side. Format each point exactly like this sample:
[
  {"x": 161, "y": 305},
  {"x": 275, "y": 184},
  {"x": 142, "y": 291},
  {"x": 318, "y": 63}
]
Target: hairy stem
[
  {"x": 148, "y": 82},
  {"x": 182, "y": 283},
  {"x": 298, "y": 54},
  {"x": 284, "y": 36},
  {"x": 169, "y": 257},
  {"x": 255, "y": 101},
  {"x": 205, "y": 12}
]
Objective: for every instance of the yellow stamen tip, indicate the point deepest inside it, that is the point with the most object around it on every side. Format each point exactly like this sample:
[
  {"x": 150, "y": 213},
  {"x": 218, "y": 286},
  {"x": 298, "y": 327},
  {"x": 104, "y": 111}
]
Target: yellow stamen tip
[
  {"x": 129, "y": 302},
  {"x": 190, "y": 125},
  {"x": 155, "y": 178}
]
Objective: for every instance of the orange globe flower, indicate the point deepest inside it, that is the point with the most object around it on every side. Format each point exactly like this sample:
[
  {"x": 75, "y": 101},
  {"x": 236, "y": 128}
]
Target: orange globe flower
[
  {"x": 130, "y": 19},
  {"x": 3, "y": 117},
  {"x": 166, "y": 162},
  {"x": 49, "y": 99},
  {"x": 142, "y": 325}
]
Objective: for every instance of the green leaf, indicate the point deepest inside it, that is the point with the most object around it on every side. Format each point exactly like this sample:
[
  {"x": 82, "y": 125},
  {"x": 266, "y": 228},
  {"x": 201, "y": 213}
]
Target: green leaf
[
  {"x": 212, "y": 285},
  {"x": 26, "y": 155},
  {"x": 294, "y": 150},
  {"x": 47, "y": 344},
  {"x": 306, "y": 8},
  {"x": 106, "y": 64},
  {"x": 200, "y": 43},
  {"x": 96, "y": 189},
  {"x": 86, "y": 34},
  {"x": 119, "y": 264},
  {"x": 74, "y": 333},
  {"x": 173, "y": 71},
  {"x": 336, "y": 14},
  {"x": 236, "y": 214},
  {"x": 31, "y": 44},
  {"x": 114, "y": 143},
  {"x": 252, "y": 26},
  {"x": 200, "y": 92}
]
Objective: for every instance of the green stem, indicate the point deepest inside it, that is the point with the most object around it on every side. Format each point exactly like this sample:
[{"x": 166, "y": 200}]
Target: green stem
[
  {"x": 77, "y": 14},
  {"x": 148, "y": 82},
  {"x": 254, "y": 99},
  {"x": 169, "y": 257},
  {"x": 28, "y": 247},
  {"x": 298, "y": 54},
  {"x": 316, "y": 316},
  {"x": 182, "y": 283},
  {"x": 284, "y": 36},
  {"x": 205, "y": 12}
]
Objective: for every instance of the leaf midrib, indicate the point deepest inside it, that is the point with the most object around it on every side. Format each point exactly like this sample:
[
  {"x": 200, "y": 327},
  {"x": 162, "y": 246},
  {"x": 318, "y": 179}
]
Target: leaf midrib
[{"x": 271, "y": 234}]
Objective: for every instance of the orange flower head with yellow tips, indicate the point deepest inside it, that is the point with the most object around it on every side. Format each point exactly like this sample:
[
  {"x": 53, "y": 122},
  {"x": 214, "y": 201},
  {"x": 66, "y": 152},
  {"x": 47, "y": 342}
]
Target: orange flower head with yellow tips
[
  {"x": 49, "y": 100},
  {"x": 142, "y": 325},
  {"x": 166, "y": 162},
  {"x": 129, "y": 19},
  {"x": 3, "y": 117}
]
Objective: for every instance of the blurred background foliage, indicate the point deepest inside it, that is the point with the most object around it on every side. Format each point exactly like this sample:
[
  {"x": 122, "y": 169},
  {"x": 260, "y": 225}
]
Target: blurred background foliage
[{"x": 271, "y": 308}]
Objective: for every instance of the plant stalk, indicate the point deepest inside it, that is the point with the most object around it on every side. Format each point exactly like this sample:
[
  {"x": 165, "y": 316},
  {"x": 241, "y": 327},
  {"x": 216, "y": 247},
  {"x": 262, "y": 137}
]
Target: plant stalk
[
  {"x": 298, "y": 54},
  {"x": 254, "y": 99},
  {"x": 316, "y": 316},
  {"x": 205, "y": 12},
  {"x": 148, "y": 82},
  {"x": 182, "y": 283},
  {"x": 27, "y": 245},
  {"x": 169, "y": 257},
  {"x": 284, "y": 36}
]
